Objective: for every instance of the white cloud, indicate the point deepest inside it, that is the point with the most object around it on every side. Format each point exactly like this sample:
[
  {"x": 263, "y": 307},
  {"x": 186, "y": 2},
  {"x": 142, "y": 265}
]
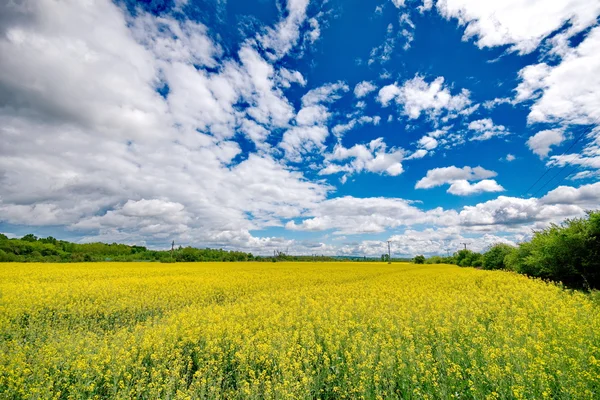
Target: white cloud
[
  {"x": 340, "y": 129},
  {"x": 514, "y": 213},
  {"x": 420, "y": 153},
  {"x": 541, "y": 142},
  {"x": 310, "y": 115},
  {"x": 286, "y": 77},
  {"x": 442, "y": 241},
  {"x": 327, "y": 93},
  {"x": 90, "y": 145},
  {"x": 490, "y": 104},
  {"x": 590, "y": 158},
  {"x": 521, "y": 24},
  {"x": 388, "y": 93},
  {"x": 505, "y": 219},
  {"x": 416, "y": 96},
  {"x": 300, "y": 140},
  {"x": 373, "y": 157},
  {"x": 310, "y": 134},
  {"x": 509, "y": 157},
  {"x": 255, "y": 132},
  {"x": 486, "y": 129},
  {"x": 351, "y": 215},
  {"x": 383, "y": 53},
  {"x": 285, "y": 35},
  {"x": 428, "y": 143},
  {"x": 315, "y": 31},
  {"x": 586, "y": 196},
  {"x": 96, "y": 106},
  {"x": 441, "y": 176},
  {"x": 585, "y": 175},
  {"x": 463, "y": 187},
  {"x": 568, "y": 92},
  {"x": 363, "y": 88}
]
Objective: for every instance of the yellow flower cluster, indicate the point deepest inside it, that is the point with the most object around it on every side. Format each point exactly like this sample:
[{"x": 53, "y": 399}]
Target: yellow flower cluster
[{"x": 292, "y": 331}]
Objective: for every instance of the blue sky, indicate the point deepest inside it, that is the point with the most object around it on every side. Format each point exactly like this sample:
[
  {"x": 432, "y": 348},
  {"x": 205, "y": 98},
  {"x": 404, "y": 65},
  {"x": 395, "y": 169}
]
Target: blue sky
[{"x": 318, "y": 127}]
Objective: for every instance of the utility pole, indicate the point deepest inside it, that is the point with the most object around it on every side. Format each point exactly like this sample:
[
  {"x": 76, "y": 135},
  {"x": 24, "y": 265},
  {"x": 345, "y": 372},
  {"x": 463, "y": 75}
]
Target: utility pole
[
  {"x": 389, "y": 252},
  {"x": 172, "y": 248},
  {"x": 465, "y": 245}
]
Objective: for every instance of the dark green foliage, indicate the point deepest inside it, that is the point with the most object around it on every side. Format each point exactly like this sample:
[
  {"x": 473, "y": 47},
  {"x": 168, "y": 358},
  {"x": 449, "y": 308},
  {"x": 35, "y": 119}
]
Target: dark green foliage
[
  {"x": 467, "y": 258},
  {"x": 569, "y": 253},
  {"x": 31, "y": 249},
  {"x": 494, "y": 257},
  {"x": 29, "y": 238},
  {"x": 419, "y": 259},
  {"x": 434, "y": 260}
]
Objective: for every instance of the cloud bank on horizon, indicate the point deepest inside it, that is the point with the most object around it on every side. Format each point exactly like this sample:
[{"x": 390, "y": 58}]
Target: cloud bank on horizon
[{"x": 318, "y": 127}]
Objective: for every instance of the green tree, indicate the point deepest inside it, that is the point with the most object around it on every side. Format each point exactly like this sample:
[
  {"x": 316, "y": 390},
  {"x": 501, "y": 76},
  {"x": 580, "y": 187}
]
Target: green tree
[
  {"x": 494, "y": 257},
  {"x": 420, "y": 259},
  {"x": 30, "y": 237},
  {"x": 460, "y": 256}
]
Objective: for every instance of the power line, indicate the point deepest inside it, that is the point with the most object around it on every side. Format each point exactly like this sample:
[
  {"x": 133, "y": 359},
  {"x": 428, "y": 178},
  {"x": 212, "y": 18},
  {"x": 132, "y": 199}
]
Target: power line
[
  {"x": 585, "y": 131},
  {"x": 555, "y": 175},
  {"x": 564, "y": 166}
]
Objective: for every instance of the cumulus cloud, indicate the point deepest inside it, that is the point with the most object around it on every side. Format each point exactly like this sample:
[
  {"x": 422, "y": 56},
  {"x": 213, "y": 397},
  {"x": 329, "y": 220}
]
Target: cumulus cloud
[
  {"x": 327, "y": 93},
  {"x": 373, "y": 157},
  {"x": 428, "y": 143},
  {"x": 350, "y": 215},
  {"x": 416, "y": 96},
  {"x": 310, "y": 134},
  {"x": 363, "y": 88},
  {"x": 303, "y": 139},
  {"x": 486, "y": 129},
  {"x": 441, "y": 176},
  {"x": 340, "y": 129},
  {"x": 463, "y": 187},
  {"x": 127, "y": 132},
  {"x": 112, "y": 158},
  {"x": 586, "y": 196},
  {"x": 443, "y": 241},
  {"x": 280, "y": 39},
  {"x": 567, "y": 92},
  {"x": 311, "y": 115},
  {"x": 512, "y": 217},
  {"x": 541, "y": 142},
  {"x": 521, "y": 24}
]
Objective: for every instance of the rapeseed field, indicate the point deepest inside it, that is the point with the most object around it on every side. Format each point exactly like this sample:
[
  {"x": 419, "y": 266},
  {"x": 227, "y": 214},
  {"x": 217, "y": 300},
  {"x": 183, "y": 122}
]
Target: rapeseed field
[{"x": 292, "y": 331}]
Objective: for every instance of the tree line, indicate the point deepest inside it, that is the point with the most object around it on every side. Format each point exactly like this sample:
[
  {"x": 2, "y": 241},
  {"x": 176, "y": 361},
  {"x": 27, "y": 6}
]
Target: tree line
[
  {"x": 30, "y": 248},
  {"x": 567, "y": 253}
]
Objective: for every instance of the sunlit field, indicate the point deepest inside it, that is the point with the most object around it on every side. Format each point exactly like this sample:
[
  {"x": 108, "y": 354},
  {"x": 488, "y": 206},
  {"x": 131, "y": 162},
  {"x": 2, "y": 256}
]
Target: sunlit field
[{"x": 291, "y": 330}]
